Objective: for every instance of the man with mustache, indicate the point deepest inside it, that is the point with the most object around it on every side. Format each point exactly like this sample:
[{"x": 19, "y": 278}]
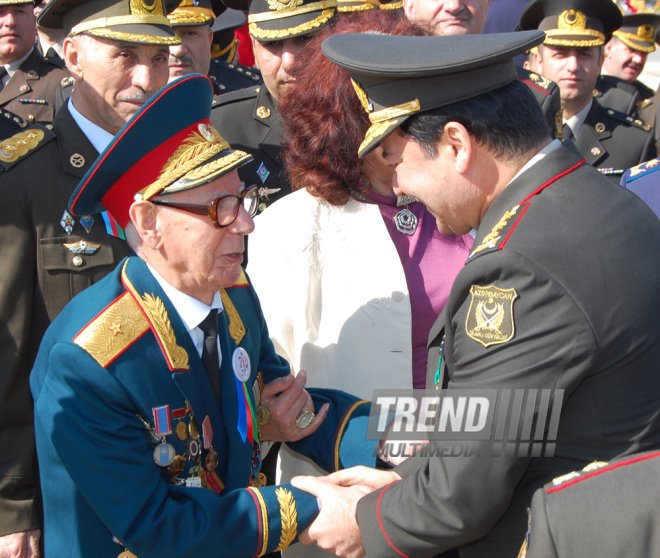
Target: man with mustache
[
  {"x": 571, "y": 56},
  {"x": 48, "y": 255},
  {"x": 249, "y": 118},
  {"x": 27, "y": 80},
  {"x": 191, "y": 21},
  {"x": 624, "y": 60}
]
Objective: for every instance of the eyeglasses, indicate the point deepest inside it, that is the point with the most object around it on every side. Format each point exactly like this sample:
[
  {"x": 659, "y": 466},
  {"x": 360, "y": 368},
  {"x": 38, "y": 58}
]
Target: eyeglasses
[{"x": 222, "y": 210}]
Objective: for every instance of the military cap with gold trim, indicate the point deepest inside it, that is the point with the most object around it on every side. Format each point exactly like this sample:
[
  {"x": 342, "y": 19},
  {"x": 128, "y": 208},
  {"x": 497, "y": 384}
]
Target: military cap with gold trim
[
  {"x": 193, "y": 12},
  {"x": 572, "y": 23},
  {"x": 356, "y": 5},
  {"x": 274, "y": 20},
  {"x": 397, "y": 76},
  {"x": 639, "y": 30},
  {"x": 391, "y": 5},
  {"x": 161, "y": 149},
  {"x": 134, "y": 21}
]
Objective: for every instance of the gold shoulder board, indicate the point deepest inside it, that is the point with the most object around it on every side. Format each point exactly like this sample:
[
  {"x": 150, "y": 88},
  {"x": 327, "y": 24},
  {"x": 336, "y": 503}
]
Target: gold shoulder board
[
  {"x": 113, "y": 330},
  {"x": 20, "y": 145}
]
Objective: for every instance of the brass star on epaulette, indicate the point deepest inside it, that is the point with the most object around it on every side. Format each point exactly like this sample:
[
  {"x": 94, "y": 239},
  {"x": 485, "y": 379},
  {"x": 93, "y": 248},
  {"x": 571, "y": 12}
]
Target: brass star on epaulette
[{"x": 115, "y": 328}]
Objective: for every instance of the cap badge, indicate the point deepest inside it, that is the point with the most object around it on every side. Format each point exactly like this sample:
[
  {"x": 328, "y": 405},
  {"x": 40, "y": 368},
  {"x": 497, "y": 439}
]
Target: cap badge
[
  {"x": 277, "y": 5},
  {"x": 207, "y": 132},
  {"x": 140, "y": 7},
  {"x": 645, "y": 32},
  {"x": 572, "y": 19}
]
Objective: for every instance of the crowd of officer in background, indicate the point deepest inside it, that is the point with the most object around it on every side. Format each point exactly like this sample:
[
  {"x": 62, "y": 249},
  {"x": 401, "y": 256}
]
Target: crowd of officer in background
[{"x": 74, "y": 72}]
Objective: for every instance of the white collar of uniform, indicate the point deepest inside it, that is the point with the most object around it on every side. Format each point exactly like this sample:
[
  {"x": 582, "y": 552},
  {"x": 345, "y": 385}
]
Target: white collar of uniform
[
  {"x": 577, "y": 120},
  {"x": 191, "y": 310},
  {"x": 96, "y": 135},
  {"x": 554, "y": 144},
  {"x": 11, "y": 67},
  {"x": 57, "y": 47}
]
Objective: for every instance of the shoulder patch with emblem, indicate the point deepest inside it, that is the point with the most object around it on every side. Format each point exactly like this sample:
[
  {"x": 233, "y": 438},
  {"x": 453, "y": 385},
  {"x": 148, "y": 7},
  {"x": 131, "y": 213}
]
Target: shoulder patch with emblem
[
  {"x": 642, "y": 169},
  {"x": 19, "y": 146},
  {"x": 490, "y": 316}
]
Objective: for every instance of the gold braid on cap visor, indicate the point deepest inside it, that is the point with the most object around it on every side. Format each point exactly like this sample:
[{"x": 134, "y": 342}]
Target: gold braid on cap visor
[
  {"x": 392, "y": 5},
  {"x": 191, "y": 15},
  {"x": 629, "y": 39},
  {"x": 356, "y": 6}
]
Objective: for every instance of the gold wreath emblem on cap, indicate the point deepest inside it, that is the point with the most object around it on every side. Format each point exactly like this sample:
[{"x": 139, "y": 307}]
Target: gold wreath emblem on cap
[
  {"x": 277, "y": 5},
  {"x": 572, "y": 19},
  {"x": 645, "y": 32}
]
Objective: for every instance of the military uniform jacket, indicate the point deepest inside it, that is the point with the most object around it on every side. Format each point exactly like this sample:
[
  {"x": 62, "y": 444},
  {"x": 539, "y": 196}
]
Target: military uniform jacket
[
  {"x": 621, "y": 95},
  {"x": 644, "y": 181},
  {"x": 115, "y": 353},
  {"x": 40, "y": 277},
  {"x": 249, "y": 120},
  {"x": 613, "y": 142},
  {"x": 573, "y": 260},
  {"x": 227, "y": 77},
  {"x": 37, "y": 78},
  {"x": 547, "y": 95},
  {"x": 568, "y": 516}
]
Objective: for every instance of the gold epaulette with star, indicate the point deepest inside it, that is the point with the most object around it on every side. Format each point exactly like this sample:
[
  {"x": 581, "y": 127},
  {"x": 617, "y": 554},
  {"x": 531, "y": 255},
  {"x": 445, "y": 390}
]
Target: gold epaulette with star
[
  {"x": 19, "y": 146},
  {"x": 112, "y": 331}
]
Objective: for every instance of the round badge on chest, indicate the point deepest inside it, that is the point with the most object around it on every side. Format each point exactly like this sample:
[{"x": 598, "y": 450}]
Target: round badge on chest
[{"x": 240, "y": 362}]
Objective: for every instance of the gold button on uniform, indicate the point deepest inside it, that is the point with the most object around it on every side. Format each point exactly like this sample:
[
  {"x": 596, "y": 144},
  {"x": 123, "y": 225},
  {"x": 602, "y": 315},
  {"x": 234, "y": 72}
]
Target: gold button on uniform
[{"x": 77, "y": 261}]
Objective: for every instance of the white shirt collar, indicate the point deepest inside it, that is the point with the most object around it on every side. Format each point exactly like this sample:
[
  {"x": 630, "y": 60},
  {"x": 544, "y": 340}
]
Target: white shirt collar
[
  {"x": 96, "y": 135},
  {"x": 11, "y": 67},
  {"x": 554, "y": 144},
  {"x": 57, "y": 47},
  {"x": 191, "y": 310},
  {"x": 577, "y": 120}
]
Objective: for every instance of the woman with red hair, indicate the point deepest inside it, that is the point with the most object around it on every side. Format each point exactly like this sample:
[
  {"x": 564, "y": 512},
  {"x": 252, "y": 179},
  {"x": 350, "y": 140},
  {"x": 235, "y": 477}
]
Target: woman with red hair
[{"x": 351, "y": 278}]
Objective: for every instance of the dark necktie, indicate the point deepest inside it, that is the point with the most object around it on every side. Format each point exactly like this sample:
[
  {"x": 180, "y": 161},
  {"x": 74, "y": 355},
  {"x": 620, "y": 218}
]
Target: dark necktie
[
  {"x": 3, "y": 73},
  {"x": 210, "y": 357},
  {"x": 568, "y": 133}
]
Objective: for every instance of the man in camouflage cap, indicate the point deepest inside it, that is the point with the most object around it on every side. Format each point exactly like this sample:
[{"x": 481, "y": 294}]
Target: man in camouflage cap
[{"x": 117, "y": 51}]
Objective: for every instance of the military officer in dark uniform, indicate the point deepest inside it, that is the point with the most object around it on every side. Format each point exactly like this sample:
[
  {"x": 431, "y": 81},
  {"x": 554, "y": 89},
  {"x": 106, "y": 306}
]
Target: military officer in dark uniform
[
  {"x": 560, "y": 292},
  {"x": 192, "y": 20},
  {"x": 571, "y": 55},
  {"x": 249, "y": 118},
  {"x": 28, "y": 80},
  {"x": 571, "y": 515},
  {"x": 226, "y": 71},
  {"x": 49, "y": 255},
  {"x": 155, "y": 389},
  {"x": 625, "y": 56},
  {"x": 643, "y": 181}
]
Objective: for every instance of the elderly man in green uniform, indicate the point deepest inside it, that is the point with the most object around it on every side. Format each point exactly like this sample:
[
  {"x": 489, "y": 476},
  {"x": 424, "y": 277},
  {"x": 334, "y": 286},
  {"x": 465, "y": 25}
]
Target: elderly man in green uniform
[
  {"x": 192, "y": 21},
  {"x": 571, "y": 55},
  {"x": 156, "y": 389},
  {"x": 625, "y": 57},
  {"x": 27, "y": 80},
  {"x": 573, "y": 261},
  {"x": 117, "y": 50},
  {"x": 249, "y": 118}
]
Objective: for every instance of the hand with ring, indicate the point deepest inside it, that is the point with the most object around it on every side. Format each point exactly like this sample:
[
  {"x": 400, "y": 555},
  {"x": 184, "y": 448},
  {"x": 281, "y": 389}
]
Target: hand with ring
[{"x": 286, "y": 411}]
